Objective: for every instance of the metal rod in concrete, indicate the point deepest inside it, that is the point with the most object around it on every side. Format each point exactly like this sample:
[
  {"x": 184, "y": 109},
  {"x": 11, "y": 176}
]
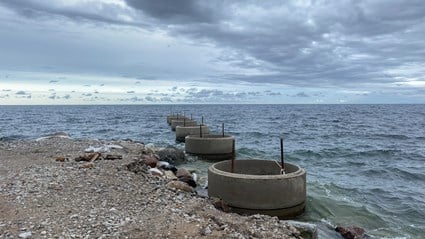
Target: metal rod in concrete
[
  {"x": 282, "y": 163},
  {"x": 200, "y": 130},
  {"x": 232, "y": 169},
  {"x": 202, "y": 120},
  {"x": 190, "y": 116},
  {"x": 222, "y": 129}
]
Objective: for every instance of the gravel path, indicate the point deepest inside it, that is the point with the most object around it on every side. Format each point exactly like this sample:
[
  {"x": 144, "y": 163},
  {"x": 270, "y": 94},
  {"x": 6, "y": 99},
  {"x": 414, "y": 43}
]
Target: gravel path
[{"x": 43, "y": 198}]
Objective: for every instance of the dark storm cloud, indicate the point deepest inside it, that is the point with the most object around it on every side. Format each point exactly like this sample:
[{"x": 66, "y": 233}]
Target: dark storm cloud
[
  {"x": 181, "y": 11},
  {"x": 345, "y": 44},
  {"x": 336, "y": 43}
]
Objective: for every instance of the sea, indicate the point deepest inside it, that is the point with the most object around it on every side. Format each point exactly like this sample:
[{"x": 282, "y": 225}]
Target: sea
[{"x": 365, "y": 163}]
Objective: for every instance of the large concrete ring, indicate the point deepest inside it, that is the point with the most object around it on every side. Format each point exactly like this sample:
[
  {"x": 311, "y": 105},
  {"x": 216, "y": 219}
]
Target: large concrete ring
[
  {"x": 212, "y": 147},
  {"x": 175, "y": 117},
  {"x": 186, "y": 122},
  {"x": 256, "y": 186},
  {"x": 182, "y": 131}
]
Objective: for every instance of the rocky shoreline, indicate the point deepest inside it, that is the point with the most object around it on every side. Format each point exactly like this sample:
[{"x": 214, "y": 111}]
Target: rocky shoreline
[{"x": 46, "y": 193}]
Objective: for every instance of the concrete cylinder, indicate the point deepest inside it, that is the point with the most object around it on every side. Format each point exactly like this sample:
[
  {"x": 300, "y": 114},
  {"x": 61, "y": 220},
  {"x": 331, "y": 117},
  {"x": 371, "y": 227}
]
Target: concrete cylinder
[
  {"x": 256, "y": 186},
  {"x": 182, "y": 132},
  {"x": 175, "y": 117},
  {"x": 212, "y": 147},
  {"x": 186, "y": 122}
]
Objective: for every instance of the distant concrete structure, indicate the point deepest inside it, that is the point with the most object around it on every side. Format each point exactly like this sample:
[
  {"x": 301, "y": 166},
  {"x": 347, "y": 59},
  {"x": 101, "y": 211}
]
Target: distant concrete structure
[
  {"x": 176, "y": 117},
  {"x": 183, "y": 131},
  {"x": 212, "y": 147},
  {"x": 182, "y": 122}
]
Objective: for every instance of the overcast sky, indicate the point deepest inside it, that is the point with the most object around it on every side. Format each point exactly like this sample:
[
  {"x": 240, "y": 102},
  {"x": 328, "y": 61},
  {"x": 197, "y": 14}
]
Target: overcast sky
[{"x": 193, "y": 51}]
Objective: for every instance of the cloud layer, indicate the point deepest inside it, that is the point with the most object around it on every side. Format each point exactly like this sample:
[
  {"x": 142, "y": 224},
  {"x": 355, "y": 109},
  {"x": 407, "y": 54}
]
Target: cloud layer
[{"x": 307, "y": 49}]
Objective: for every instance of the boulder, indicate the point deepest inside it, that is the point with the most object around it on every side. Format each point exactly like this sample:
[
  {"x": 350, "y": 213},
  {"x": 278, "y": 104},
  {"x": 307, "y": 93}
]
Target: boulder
[
  {"x": 138, "y": 167},
  {"x": 169, "y": 175},
  {"x": 351, "y": 232},
  {"x": 180, "y": 185},
  {"x": 182, "y": 172},
  {"x": 172, "y": 155},
  {"x": 188, "y": 179},
  {"x": 156, "y": 172},
  {"x": 150, "y": 160}
]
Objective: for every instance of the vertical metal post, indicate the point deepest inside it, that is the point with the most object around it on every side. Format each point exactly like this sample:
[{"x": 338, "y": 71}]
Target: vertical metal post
[
  {"x": 190, "y": 116},
  {"x": 222, "y": 130},
  {"x": 200, "y": 130},
  {"x": 232, "y": 169},
  {"x": 202, "y": 120},
  {"x": 282, "y": 163}
]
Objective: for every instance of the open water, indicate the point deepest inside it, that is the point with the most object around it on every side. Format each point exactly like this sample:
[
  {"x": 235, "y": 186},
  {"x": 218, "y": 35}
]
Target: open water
[{"x": 365, "y": 163}]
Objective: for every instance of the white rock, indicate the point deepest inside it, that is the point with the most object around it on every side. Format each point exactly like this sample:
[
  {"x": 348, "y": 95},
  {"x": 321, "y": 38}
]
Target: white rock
[
  {"x": 25, "y": 235},
  {"x": 155, "y": 171}
]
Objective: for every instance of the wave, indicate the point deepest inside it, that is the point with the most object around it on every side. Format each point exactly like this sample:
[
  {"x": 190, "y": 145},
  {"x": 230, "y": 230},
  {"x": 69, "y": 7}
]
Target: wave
[
  {"x": 391, "y": 136},
  {"x": 13, "y": 137}
]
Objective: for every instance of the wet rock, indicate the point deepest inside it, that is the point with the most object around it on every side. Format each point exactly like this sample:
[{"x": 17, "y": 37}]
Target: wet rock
[
  {"x": 167, "y": 167},
  {"x": 351, "y": 232},
  {"x": 150, "y": 160},
  {"x": 185, "y": 176},
  {"x": 172, "y": 155},
  {"x": 180, "y": 185},
  {"x": 187, "y": 179},
  {"x": 182, "y": 172},
  {"x": 306, "y": 230}
]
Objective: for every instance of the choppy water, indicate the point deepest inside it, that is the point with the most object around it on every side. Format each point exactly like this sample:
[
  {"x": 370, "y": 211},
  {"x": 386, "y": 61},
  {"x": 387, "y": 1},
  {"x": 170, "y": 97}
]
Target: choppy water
[{"x": 365, "y": 163}]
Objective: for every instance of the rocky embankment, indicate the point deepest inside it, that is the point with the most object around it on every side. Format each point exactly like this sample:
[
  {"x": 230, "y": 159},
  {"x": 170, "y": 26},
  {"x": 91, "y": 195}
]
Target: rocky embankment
[{"x": 52, "y": 188}]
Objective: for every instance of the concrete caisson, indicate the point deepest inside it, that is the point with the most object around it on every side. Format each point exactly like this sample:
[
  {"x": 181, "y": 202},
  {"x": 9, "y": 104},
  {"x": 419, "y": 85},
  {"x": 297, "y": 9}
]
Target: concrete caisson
[
  {"x": 183, "y": 131},
  {"x": 211, "y": 147},
  {"x": 176, "y": 117},
  {"x": 182, "y": 122},
  {"x": 256, "y": 186}
]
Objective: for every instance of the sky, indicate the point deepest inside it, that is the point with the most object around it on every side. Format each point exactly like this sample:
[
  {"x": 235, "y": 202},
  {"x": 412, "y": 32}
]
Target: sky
[{"x": 212, "y": 52}]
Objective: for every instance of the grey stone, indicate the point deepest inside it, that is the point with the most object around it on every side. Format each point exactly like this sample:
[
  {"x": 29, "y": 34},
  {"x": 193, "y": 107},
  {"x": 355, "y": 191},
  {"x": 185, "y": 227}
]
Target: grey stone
[{"x": 172, "y": 155}]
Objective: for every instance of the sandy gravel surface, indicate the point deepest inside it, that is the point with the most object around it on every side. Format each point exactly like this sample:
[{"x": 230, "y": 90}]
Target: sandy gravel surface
[{"x": 43, "y": 198}]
